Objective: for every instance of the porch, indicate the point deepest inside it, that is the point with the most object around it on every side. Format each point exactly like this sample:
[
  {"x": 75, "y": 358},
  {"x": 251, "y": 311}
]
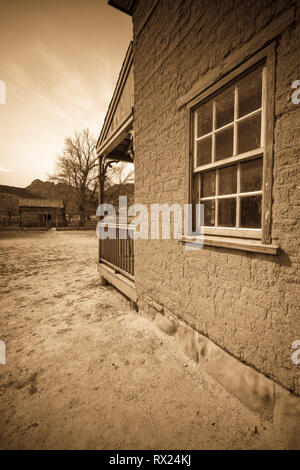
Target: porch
[{"x": 115, "y": 144}]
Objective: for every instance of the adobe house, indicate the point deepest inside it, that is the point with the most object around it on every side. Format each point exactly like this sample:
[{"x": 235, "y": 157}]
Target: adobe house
[
  {"x": 41, "y": 213},
  {"x": 215, "y": 123}
]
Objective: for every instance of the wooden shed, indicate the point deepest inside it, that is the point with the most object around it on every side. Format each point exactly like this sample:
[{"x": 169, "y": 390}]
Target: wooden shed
[{"x": 41, "y": 213}]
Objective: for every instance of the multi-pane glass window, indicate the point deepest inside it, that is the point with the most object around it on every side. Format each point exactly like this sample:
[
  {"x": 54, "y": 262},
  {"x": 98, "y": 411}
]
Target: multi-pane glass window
[{"x": 228, "y": 146}]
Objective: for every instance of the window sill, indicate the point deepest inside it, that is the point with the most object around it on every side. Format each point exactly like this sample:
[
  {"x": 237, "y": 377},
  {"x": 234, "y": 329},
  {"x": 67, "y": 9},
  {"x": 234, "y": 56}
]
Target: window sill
[{"x": 235, "y": 243}]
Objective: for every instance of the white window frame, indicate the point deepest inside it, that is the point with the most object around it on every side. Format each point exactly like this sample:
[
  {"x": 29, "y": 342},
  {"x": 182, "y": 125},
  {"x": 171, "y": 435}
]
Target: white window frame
[{"x": 266, "y": 60}]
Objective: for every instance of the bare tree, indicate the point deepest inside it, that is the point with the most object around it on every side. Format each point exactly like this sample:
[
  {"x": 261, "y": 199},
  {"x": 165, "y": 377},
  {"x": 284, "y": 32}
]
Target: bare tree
[
  {"x": 122, "y": 173},
  {"x": 77, "y": 167},
  {"x": 117, "y": 181},
  {"x": 9, "y": 206}
]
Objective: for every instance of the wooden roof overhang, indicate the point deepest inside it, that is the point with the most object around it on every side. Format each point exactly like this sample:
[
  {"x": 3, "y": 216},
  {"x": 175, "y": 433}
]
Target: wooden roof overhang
[
  {"x": 117, "y": 145},
  {"x": 115, "y": 136},
  {"x": 126, "y": 6}
]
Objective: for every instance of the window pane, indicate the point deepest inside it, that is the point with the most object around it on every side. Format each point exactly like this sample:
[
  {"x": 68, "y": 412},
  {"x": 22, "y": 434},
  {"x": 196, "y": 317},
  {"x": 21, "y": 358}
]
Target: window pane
[
  {"x": 196, "y": 188},
  {"x": 209, "y": 213},
  {"x": 249, "y": 92},
  {"x": 204, "y": 119},
  {"x": 227, "y": 212},
  {"x": 251, "y": 175},
  {"x": 251, "y": 212},
  {"x": 225, "y": 108},
  {"x": 208, "y": 184},
  {"x": 227, "y": 180},
  {"x": 204, "y": 151},
  {"x": 249, "y": 133},
  {"x": 224, "y": 143}
]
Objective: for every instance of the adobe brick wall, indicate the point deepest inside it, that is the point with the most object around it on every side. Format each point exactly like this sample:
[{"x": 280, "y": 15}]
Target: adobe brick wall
[{"x": 247, "y": 303}]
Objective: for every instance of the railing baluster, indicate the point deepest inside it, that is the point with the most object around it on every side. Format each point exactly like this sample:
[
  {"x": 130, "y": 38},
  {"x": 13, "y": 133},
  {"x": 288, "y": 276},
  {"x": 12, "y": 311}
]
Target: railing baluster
[
  {"x": 131, "y": 255},
  {"x": 119, "y": 252},
  {"x": 125, "y": 255},
  {"x": 128, "y": 256},
  {"x": 113, "y": 251},
  {"x": 118, "y": 247}
]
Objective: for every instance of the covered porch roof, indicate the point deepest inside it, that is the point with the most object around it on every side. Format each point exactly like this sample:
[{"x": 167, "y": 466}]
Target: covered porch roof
[{"x": 115, "y": 140}]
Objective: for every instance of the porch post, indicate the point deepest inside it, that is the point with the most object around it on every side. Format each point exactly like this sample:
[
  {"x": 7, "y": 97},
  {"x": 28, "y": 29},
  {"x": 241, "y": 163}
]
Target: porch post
[
  {"x": 101, "y": 179},
  {"x": 21, "y": 221}
]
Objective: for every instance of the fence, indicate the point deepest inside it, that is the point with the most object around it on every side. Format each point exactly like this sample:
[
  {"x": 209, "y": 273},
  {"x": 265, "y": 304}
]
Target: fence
[
  {"x": 6, "y": 220},
  {"x": 119, "y": 252}
]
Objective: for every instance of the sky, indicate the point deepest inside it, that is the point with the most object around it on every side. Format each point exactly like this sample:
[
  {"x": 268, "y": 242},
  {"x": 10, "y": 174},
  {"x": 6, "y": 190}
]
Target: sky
[{"x": 59, "y": 61}]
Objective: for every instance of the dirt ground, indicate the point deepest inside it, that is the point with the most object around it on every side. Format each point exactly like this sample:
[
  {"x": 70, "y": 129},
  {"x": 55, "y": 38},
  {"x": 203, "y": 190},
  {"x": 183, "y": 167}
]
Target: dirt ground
[{"x": 83, "y": 371}]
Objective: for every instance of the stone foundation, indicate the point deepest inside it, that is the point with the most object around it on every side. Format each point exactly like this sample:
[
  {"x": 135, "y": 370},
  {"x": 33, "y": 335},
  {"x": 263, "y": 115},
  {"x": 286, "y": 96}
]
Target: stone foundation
[{"x": 253, "y": 389}]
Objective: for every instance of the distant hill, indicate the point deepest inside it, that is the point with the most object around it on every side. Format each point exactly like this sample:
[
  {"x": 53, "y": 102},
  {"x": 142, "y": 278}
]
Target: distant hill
[
  {"x": 19, "y": 192},
  {"x": 10, "y": 195},
  {"x": 9, "y": 199},
  {"x": 43, "y": 190},
  {"x": 48, "y": 190}
]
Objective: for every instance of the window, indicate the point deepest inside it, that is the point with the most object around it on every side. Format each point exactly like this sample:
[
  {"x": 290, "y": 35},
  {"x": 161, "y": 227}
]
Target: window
[{"x": 228, "y": 147}]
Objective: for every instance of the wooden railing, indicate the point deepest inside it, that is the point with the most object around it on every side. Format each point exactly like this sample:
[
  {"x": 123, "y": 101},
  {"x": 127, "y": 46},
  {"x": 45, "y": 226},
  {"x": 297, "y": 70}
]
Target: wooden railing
[{"x": 118, "y": 253}]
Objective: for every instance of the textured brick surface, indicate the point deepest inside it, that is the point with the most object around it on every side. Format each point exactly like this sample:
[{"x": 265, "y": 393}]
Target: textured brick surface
[{"x": 247, "y": 303}]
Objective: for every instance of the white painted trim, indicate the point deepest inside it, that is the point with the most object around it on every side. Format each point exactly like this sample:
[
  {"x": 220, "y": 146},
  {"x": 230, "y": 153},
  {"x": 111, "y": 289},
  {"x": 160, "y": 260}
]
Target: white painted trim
[
  {"x": 251, "y": 233},
  {"x": 230, "y": 160},
  {"x": 234, "y": 243}
]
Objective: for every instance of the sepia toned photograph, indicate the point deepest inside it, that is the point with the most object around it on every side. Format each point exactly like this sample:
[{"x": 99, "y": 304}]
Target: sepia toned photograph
[{"x": 149, "y": 227}]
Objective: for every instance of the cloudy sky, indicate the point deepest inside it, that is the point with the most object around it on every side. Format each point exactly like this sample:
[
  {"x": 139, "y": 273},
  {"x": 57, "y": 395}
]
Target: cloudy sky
[{"x": 60, "y": 61}]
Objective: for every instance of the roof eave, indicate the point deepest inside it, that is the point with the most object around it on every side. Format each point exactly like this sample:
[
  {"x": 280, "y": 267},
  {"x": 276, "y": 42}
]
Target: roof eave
[
  {"x": 127, "y": 63},
  {"x": 117, "y": 4}
]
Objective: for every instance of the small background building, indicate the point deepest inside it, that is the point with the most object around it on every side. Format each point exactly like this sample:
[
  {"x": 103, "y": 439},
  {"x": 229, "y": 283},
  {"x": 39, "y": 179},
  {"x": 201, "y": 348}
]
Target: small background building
[{"x": 41, "y": 213}]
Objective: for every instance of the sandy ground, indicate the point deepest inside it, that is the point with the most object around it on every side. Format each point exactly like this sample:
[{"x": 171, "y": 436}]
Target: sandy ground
[{"x": 83, "y": 371}]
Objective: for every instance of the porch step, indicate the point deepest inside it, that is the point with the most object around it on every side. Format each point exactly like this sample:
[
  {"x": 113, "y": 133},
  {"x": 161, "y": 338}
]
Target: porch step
[{"x": 121, "y": 282}]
